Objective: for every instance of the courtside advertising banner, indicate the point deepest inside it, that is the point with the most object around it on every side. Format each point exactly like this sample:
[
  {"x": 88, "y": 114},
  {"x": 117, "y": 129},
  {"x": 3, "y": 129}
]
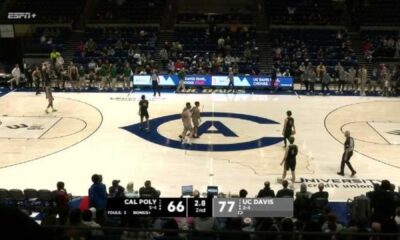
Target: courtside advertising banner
[{"x": 217, "y": 81}]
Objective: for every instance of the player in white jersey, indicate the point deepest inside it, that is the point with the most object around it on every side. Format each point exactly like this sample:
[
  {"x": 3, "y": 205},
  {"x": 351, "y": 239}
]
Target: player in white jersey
[
  {"x": 50, "y": 98},
  {"x": 187, "y": 122}
]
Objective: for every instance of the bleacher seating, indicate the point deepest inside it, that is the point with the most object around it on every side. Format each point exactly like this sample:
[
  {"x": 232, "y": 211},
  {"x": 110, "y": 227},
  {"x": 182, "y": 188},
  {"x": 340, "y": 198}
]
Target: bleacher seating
[
  {"x": 137, "y": 11},
  {"x": 310, "y": 45},
  {"x": 380, "y": 13},
  {"x": 214, "y": 18},
  {"x": 201, "y": 44},
  {"x": 382, "y": 43},
  {"x": 50, "y": 11},
  {"x": 139, "y": 40},
  {"x": 301, "y": 12},
  {"x": 45, "y": 39}
]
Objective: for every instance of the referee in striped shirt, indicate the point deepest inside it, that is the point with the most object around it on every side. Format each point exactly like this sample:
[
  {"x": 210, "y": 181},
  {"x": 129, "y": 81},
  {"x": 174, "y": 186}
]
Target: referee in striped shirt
[{"x": 348, "y": 152}]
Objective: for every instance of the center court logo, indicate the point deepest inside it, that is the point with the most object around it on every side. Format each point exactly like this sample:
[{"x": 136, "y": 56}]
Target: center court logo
[{"x": 156, "y": 137}]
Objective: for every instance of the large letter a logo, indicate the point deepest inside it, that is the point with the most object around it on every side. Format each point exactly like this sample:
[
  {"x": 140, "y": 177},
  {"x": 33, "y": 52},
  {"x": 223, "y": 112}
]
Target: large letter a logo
[{"x": 219, "y": 126}]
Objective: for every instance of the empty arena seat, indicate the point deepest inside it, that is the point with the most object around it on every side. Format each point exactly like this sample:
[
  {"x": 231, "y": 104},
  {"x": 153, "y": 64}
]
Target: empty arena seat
[
  {"x": 31, "y": 193},
  {"x": 45, "y": 196},
  {"x": 4, "y": 196},
  {"x": 17, "y": 197}
]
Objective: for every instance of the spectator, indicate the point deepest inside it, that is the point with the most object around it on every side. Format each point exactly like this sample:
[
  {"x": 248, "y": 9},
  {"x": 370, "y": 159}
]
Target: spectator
[
  {"x": 204, "y": 224},
  {"x": 135, "y": 235},
  {"x": 116, "y": 191},
  {"x": 61, "y": 199},
  {"x": 285, "y": 192},
  {"x": 267, "y": 224},
  {"x": 321, "y": 70},
  {"x": 221, "y": 42},
  {"x": 90, "y": 46},
  {"x": 16, "y": 76},
  {"x": 92, "y": 65},
  {"x": 148, "y": 191},
  {"x": 170, "y": 224},
  {"x": 287, "y": 226},
  {"x": 54, "y": 55},
  {"x": 81, "y": 49},
  {"x": 235, "y": 224},
  {"x": 266, "y": 191},
  {"x": 382, "y": 202},
  {"x": 303, "y": 204},
  {"x": 331, "y": 224},
  {"x": 320, "y": 198},
  {"x": 303, "y": 192},
  {"x": 97, "y": 194},
  {"x": 130, "y": 192},
  {"x": 397, "y": 217},
  {"x": 164, "y": 56},
  {"x": 17, "y": 225},
  {"x": 243, "y": 193},
  {"x": 75, "y": 220},
  {"x": 321, "y": 193},
  {"x": 87, "y": 220}
]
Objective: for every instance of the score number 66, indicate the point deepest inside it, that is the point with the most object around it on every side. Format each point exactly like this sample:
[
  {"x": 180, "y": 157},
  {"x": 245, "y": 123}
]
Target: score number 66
[{"x": 175, "y": 208}]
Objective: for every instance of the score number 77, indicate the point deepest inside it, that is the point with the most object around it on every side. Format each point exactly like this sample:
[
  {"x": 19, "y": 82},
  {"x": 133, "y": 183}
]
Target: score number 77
[{"x": 228, "y": 204}]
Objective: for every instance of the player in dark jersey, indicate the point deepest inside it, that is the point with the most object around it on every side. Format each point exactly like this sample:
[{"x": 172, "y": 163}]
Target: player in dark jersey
[
  {"x": 50, "y": 98},
  {"x": 348, "y": 152},
  {"x": 143, "y": 112},
  {"x": 288, "y": 128},
  {"x": 290, "y": 159}
]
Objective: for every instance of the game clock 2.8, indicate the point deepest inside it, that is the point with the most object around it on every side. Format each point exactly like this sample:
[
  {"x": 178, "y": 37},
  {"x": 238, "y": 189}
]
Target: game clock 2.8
[{"x": 200, "y": 207}]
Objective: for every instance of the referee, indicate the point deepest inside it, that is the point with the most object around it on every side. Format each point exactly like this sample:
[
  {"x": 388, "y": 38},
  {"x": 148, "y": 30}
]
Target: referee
[{"x": 348, "y": 152}]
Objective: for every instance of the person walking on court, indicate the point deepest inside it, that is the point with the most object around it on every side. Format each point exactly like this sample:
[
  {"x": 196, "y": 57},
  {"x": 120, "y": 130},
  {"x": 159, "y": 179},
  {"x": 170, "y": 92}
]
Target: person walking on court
[
  {"x": 73, "y": 75},
  {"x": 36, "y": 77},
  {"x": 348, "y": 152},
  {"x": 288, "y": 127},
  {"x": 143, "y": 113},
  {"x": 181, "y": 86},
  {"x": 16, "y": 76},
  {"x": 363, "y": 75},
  {"x": 50, "y": 98},
  {"x": 187, "y": 123},
  {"x": 155, "y": 80},
  {"x": 196, "y": 119},
  {"x": 231, "y": 77},
  {"x": 289, "y": 160}
]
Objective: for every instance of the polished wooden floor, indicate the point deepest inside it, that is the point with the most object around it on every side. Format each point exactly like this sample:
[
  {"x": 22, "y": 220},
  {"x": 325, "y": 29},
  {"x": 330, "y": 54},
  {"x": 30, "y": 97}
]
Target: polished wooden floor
[{"x": 98, "y": 133}]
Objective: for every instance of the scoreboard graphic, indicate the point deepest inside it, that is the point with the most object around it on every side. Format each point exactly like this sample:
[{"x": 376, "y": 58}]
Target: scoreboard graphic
[{"x": 200, "y": 207}]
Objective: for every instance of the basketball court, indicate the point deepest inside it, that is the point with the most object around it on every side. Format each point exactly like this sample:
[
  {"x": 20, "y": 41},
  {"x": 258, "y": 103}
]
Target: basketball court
[{"x": 240, "y": 145}]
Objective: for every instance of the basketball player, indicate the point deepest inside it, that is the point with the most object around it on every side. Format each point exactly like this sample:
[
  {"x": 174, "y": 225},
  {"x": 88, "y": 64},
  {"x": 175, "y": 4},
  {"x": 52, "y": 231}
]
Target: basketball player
[
  {"x": 348, "y": 152},
  {"x": 196, "y": 119},
  {"x": 187, "y": 123},
  {"x": 46, "y": 71},
  {"x": 181, "y": 86},
  {"x": 113, "y": 76},
  {"x": 155, "y": 80},
  {"x": 143, "y": 112},
  {"x": 288, "y": 128},
  {"x": 231, "y": 77},
  {"x": 290, "y": 159},
  {"x": 363, "y": 74},
  {"x": 73, "y": 75},
  {"x": 50, "y": 99},
  {"x": 36, "y": 77},
  {"x": 127, "y": 75}
]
